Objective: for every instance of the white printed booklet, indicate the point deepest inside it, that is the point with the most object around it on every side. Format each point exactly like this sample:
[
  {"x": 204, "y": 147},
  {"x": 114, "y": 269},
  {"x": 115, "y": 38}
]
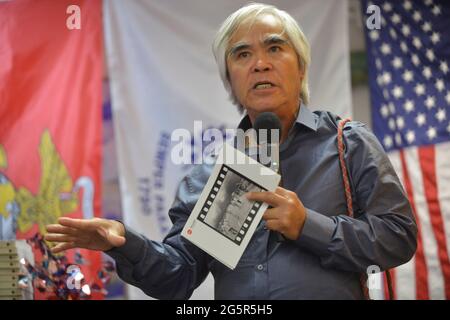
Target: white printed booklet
[{"x": 224, "y": 220}]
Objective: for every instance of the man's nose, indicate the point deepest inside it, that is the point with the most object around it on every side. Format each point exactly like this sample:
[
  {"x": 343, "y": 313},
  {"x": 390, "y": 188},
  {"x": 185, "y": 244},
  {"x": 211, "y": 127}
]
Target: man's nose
[{"x": 262, "y": 64}]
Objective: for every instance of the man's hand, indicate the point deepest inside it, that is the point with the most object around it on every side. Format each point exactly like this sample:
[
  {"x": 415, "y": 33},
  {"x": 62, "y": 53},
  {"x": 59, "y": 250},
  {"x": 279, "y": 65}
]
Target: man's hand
[
  {"x": 93, "y": 234},
  {"x": 287, "y": 215}
]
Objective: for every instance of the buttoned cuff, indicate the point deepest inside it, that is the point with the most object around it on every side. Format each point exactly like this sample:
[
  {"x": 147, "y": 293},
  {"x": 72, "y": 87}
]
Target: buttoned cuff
[
  {"x": 131, "y": 250},
  {"x": 317, "y": 233}
]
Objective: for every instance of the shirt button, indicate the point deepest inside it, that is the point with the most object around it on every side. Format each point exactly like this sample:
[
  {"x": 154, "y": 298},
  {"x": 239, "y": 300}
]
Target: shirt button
[{"x": 260, "y": 267}]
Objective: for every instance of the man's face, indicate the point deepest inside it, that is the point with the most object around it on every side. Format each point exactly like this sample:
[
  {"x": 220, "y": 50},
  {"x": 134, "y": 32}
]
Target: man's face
[{"x": 263, "y": 68}]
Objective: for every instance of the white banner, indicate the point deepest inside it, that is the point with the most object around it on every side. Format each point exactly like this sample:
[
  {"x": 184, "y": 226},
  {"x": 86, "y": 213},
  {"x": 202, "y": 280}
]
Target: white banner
[{"x": 163, "y": 76}]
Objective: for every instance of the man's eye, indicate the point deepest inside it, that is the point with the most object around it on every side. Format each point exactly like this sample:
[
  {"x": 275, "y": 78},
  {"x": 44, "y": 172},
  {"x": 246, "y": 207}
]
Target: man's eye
[
  {"x": 274, "y": 49},
  {"x": 243, "y": 54}
]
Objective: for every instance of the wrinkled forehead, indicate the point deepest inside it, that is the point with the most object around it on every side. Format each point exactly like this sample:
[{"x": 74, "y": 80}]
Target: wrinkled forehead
[{"x": 257, "y": 28}]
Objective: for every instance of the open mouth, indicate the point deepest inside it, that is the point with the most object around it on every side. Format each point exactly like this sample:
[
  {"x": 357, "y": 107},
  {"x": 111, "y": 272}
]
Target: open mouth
[{"x": 263, "y": 85}]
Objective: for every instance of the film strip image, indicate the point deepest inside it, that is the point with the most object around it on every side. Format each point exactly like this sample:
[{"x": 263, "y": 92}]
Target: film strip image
[{"x": 226, "y": 209}]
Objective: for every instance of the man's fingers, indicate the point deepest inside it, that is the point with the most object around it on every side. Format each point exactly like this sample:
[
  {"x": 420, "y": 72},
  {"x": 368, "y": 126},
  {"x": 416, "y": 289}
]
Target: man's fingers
[
  {"x": 270, "y": 214},
  {"x": 63, "y": 246},
  {"x": 57, "y": 228},
  {"x": 59, "y": 237},
  {"x": 274, "y": 225},
  {"x": 270, "y": 198},
  {"x": 76, "y": 223},
  {"x": 282, "y": 192}
]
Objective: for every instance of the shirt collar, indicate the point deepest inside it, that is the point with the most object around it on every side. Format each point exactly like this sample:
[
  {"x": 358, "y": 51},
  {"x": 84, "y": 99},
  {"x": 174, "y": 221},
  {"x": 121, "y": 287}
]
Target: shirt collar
[{"x": 305, "y": 118}]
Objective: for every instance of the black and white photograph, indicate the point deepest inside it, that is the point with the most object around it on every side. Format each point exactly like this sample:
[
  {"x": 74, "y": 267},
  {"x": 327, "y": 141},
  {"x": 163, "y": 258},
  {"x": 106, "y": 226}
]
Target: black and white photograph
[
  {"x": 227, "y": 210},
  {"x": 223, "y": 220}
]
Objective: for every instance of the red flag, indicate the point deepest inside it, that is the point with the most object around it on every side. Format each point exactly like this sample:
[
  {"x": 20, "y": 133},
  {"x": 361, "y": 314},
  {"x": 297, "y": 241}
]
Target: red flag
[{"x": 50, "y": 115}]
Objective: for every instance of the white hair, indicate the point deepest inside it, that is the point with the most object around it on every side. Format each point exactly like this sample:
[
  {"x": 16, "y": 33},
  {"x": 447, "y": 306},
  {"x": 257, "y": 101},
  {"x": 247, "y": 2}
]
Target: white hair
[{"x": 290, "y": 27}]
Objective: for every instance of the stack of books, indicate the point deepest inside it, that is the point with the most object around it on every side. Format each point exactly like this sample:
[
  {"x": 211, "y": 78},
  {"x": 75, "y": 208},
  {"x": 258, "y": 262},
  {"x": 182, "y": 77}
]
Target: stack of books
[{"x": 15, "y": 283}]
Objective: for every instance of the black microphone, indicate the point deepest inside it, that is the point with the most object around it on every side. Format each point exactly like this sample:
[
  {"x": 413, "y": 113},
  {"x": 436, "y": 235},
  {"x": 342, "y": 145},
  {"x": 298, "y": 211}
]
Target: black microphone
[
  {"x": 269, "y": 121},
  {"x": 269, "y": 151}
]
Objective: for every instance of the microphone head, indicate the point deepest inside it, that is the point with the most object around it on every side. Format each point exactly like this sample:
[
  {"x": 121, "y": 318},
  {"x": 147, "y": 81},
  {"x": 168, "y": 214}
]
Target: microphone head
[{"x": 268, "y": 121}]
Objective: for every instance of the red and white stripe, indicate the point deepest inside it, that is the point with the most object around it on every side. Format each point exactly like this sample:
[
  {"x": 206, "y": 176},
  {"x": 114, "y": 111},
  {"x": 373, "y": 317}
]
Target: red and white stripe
[{"x": 425, "y": 174}]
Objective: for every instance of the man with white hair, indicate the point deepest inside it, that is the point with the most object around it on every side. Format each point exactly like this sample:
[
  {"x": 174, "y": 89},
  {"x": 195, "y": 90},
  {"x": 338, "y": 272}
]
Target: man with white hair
[{"x": 263, "y": 58}]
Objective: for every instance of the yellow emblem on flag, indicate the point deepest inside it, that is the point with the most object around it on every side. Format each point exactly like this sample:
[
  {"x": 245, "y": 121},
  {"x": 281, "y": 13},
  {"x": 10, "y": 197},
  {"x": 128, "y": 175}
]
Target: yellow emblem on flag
[{"x": 54, "y": 199}]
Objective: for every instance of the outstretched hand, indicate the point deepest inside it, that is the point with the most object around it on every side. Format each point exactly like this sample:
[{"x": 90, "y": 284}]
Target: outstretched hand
[{"x": 93, "y": 234}]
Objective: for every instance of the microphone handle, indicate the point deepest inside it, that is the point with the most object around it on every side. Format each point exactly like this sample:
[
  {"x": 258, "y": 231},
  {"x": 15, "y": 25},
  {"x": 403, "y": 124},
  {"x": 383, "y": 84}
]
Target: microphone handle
[{"x": 275, "y": 165}]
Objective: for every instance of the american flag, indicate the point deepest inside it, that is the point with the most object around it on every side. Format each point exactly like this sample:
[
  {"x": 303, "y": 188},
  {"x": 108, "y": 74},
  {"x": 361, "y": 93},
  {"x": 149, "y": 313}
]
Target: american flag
[{"x": 409, "y": 78}]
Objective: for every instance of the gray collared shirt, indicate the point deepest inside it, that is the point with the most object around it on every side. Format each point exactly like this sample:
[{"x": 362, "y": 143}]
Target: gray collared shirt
[{"x": 327, "y": 259}]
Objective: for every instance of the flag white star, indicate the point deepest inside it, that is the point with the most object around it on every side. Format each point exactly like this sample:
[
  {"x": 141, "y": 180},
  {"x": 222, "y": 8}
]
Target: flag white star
[
  {"x": 380, "y": 80},
  {"x": 385, "y": 48},
  {"x": 397, "y": 62},
  {"x": 400, "y": 123},
  {"x": 396, "y": 19},
  {"x": 384, "y": 111},
  {"x": 386, "y": 94},
  {"x": 427, "y": 72},
  {"x": 404, "y": 47},
  {"x": 421, "y": 119},
  {"x": 436, "y": 10},
  {"x": 387, "y": 6},
  {"x": 415, "y": 59},
  {"x": 417, "y": 43},
  {"x": 447, "y": 97},
  {"x": 408, "y": 75},
  {"x": 397, "y": 92},
  {"x": 392, "y": 108},
  {"x": 378, "y": 63},
  {"x": 430, "y": 54},
  {"x": 426, "y": 27},
  {"x": 419, "y": 89},
  {"x": 386, "y": 76},
  {"x": 441, "y": 115},
  {"x": 410, "y": 136},
  {"x": 387, "y": 141},
  {"x": 430, "y": 102},
  {"x": 417, "y": 16},
  {"x": 406, "y": 30},
  {"x": 408, "y": 105},
  {"x": 391, "y": 124},
  {"x": 398, "y": 139},
  {"x": 407, "y": 5},
  {"x": 444, "y": 67},
  {"x": 431, "y": 133},
  {"x": 435, "y": 37},
  {"x": 428, "y": 2},
  {"x": 439, "y": 85},
  {"x": 374, "y": 35},
  {"x": 393, "y": 33}
]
